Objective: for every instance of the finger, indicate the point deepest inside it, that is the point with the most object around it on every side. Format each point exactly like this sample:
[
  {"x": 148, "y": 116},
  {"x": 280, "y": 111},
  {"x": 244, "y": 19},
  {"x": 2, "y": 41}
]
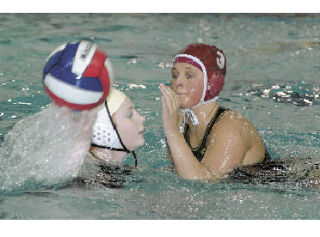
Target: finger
[
  {"x": 91, "y": 117},
  {"x": 83, "y": 116},
  {"x": 165, "y": 110},
  {"x": 94, "y": 116},
  {"x": 168, "y": 100},
  {"x": 173, "y": 98},
  {"x": 65, "y": 112},
  {"x": 163, "y": 105},
  {"x": 167, "y": 103},
  {"x": 170, "y": 91},
  {"x": 163, "y": 89}
]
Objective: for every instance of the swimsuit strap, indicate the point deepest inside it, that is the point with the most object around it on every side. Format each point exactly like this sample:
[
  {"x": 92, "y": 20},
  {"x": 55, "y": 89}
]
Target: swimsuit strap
[{"x": 201, "y": 149}]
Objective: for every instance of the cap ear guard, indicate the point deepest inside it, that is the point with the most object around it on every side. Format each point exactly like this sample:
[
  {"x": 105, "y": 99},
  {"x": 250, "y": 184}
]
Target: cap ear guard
[
  {"x": 214, "y": 85},
  {"x": 105, "y": 133}
]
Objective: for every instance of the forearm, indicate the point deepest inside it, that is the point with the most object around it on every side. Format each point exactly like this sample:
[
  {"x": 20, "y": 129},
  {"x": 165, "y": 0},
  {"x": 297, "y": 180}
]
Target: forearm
[{"x": 186, "y": 164}]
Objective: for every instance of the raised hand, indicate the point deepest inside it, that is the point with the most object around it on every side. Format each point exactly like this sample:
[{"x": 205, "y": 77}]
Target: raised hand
[{"x": 170, "y": 110}]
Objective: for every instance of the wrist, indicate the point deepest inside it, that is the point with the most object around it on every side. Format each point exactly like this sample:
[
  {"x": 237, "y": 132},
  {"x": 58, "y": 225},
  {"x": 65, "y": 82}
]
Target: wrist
[{"x": 173, "y": 133}]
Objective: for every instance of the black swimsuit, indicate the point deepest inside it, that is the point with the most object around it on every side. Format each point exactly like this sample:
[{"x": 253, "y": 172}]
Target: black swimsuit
[{"x": 199, "y": 151}]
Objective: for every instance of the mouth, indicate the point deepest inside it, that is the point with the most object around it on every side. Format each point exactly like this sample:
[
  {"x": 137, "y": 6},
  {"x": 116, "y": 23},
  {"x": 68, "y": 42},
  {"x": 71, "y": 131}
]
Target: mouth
[{"x": 180, "y": 93}]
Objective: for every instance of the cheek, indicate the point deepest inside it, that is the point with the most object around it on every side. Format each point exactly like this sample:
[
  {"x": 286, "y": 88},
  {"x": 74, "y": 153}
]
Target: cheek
[
  {"x": 173, "y": 84},
  {"x": 195, "y": 93},
  {"x": 128, "y": 132},
  {"x": 126, "y": 129}
]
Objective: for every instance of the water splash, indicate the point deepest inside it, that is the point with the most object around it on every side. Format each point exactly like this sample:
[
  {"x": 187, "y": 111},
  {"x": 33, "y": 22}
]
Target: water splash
[{"x": 46, "y": 148}]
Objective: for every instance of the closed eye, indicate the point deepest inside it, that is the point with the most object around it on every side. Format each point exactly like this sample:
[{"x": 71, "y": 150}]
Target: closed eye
[
  {"x": 189, "y": 76},
  {"x": 174, "y": 75}
]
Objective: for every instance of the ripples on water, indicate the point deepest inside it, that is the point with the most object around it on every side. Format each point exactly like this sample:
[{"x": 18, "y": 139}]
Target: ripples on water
[{"x": 272, "y": 79}]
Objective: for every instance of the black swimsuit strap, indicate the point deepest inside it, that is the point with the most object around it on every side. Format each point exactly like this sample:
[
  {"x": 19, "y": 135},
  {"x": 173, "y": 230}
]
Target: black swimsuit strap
[{"x": 201, "y": 149}]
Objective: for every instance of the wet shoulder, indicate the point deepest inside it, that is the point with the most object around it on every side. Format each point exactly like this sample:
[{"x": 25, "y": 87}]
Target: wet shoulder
[
  {"x": 233, "y": 124},
  {"x": 230, "y": 120}
]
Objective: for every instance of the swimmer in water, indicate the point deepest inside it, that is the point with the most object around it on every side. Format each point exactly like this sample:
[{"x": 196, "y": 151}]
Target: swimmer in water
[
  {"x": 117, "y": 132},
  {"x": 205, "y": 141}
]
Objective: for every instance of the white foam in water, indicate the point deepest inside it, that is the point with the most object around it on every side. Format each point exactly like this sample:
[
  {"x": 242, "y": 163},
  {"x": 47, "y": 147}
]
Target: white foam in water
[{"x": 46, "y": 148}]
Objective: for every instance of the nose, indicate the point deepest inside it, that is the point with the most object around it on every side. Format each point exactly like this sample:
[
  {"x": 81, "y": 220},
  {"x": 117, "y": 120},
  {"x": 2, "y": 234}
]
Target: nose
[
  {"x": 142, "y": 119},
  {"x": 179, "y": 81}
]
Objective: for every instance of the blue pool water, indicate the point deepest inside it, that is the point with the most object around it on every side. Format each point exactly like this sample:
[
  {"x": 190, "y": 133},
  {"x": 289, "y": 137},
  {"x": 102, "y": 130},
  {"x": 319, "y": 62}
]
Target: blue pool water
[{"x": 272, "y": 78}]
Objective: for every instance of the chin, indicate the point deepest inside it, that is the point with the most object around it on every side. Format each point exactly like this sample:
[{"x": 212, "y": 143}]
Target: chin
[
  {"x": 187, "y": 104},
  {"x": 141, "y": 143},
  {"x": 116, "y": 162},
  {"x": 136, "y": 145}
]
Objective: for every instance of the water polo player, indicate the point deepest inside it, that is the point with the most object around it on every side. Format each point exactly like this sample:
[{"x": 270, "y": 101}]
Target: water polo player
[
  {"x": 78, "y": 75},
  {"x": 205, "y": 141},
  {"x": 49, "y": 147},
  {"x": 117, "y": 131}
]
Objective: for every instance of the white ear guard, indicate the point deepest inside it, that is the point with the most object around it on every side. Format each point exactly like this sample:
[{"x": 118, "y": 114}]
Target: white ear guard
[{"x": 105, "y": 133}]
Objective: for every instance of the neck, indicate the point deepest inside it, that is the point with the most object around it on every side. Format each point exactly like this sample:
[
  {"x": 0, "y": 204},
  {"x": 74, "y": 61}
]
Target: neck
[
  {"x": 205, "y": 113},
  {"x": 108, "y": 156}
]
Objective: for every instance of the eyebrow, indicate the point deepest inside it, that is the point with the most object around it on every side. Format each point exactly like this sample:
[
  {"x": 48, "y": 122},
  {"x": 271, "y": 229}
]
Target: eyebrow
[{"x": 188, "y": 68}]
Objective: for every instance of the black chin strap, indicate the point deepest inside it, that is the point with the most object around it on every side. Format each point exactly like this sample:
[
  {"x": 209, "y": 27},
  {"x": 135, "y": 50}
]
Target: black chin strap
[
  {"x": 125, "y": 150},
  {"x": 135, "y": 159},
  {"x": 133, "y": 153}
]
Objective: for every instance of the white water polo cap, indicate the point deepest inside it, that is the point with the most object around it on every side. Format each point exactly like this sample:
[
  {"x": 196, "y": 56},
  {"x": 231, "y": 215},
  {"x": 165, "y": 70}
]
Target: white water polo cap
[
  {"x": 105, "y": 133},
  {"x": 78, "y": 75}
]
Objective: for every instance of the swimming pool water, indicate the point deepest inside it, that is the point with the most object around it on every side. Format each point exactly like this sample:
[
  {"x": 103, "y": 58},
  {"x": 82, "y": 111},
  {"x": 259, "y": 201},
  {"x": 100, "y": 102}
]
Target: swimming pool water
[{"x": 272, "y": 78}]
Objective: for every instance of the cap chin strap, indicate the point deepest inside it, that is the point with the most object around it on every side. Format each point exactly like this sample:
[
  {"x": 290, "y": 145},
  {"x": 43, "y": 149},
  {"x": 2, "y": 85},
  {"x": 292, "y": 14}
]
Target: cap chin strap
[
  {"x": 105, "y": 121},
  {"x": 188, "y": 114},
  {"x": 116, "y": 149}
]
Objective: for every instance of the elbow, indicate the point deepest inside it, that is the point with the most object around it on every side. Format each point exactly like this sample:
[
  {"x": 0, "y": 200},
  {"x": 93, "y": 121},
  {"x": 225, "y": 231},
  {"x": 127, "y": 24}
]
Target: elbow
[{"x": 206, "y": 176}]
